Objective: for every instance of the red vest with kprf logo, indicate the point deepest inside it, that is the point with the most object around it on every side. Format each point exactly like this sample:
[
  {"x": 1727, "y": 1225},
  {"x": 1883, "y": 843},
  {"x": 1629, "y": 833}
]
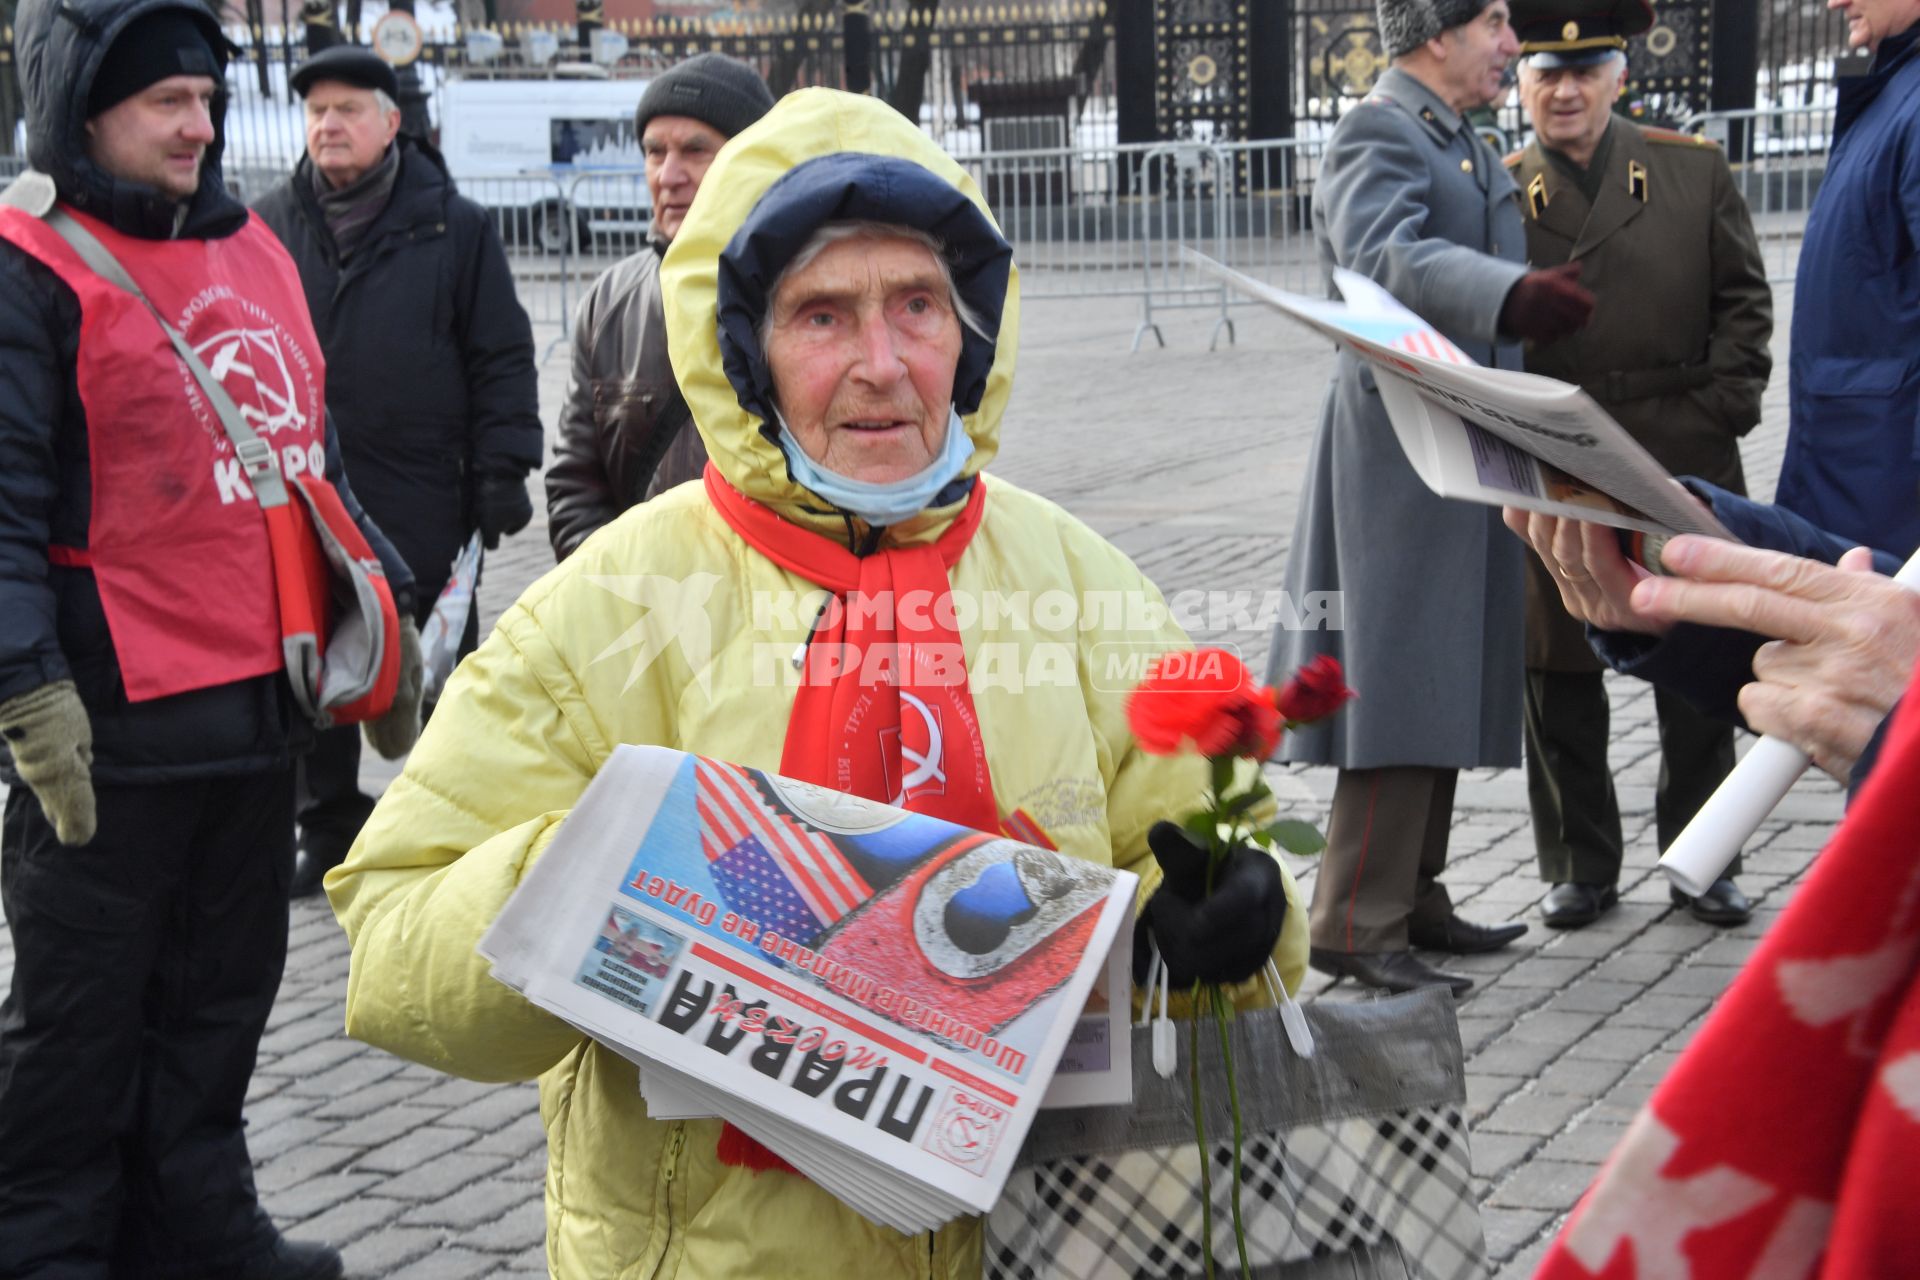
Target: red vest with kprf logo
[{"x": 176, "y": 542}]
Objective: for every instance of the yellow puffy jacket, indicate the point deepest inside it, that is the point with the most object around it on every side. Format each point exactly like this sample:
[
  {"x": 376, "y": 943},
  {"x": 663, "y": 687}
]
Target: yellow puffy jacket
[{"x": 649, "y": 634}]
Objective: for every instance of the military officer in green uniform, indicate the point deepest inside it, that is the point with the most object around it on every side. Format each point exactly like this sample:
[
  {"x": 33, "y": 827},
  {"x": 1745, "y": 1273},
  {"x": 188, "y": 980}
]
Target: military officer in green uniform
[{"x": 1677, "y": 353}]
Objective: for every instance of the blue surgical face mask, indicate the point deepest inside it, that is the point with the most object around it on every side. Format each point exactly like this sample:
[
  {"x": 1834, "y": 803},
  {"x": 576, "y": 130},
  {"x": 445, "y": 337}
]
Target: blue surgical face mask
[{"x": 881, "y": 504}]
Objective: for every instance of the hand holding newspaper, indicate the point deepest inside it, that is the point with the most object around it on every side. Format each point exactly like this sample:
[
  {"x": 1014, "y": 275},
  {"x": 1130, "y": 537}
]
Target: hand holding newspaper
[
  {"x": 880, "y": 997},
  {"x": 1542, "y": 445},
  {"x": 1494, "y": 436}
]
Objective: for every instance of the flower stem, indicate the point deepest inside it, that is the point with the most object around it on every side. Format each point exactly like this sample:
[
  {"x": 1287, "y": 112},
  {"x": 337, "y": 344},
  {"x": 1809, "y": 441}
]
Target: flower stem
[
  {"x": 1222, "y": 1010},
  {"x": 1200, "y": 1139}
]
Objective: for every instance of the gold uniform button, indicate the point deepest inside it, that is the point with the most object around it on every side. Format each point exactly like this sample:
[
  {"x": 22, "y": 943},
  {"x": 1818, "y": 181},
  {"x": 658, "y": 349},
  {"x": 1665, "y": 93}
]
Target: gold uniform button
[{"x": 1466, "y": 166}]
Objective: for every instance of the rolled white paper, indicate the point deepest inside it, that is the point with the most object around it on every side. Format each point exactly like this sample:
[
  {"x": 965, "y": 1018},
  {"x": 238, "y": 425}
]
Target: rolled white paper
[
  {"x": 1735, "y": 811},
  {"x": 1732, "y": 814}
]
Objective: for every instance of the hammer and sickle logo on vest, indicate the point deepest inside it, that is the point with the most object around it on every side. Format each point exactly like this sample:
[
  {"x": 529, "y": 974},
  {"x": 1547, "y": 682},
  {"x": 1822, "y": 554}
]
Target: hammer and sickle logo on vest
[{"x": 253, "y": 368}]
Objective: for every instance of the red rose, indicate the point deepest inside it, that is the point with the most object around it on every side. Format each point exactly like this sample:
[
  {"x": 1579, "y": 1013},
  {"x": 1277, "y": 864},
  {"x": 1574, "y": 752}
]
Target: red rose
[
  {"x": 1203, "y": 700},
  {"x": 1316, "y": 691}
]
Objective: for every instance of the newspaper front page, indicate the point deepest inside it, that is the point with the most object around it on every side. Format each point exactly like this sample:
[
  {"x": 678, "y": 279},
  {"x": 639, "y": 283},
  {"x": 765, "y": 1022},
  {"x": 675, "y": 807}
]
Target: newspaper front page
[{"x": 880, "y": 996}]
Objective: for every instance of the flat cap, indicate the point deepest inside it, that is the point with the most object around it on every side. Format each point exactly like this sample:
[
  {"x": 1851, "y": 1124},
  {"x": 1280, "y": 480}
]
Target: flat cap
[{"x": 349, "y": 64}]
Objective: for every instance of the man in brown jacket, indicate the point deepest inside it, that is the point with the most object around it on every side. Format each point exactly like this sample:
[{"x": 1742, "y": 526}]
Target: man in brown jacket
[
  {"x": 624, "y": 430},
  {"x": 1677, "y": 353}
]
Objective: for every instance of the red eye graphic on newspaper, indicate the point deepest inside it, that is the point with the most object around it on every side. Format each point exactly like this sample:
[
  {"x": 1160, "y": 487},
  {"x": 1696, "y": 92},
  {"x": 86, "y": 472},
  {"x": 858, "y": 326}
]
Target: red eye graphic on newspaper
[
  {"x": 982, "y": 931},
  {"x": 976, "y": 928}
]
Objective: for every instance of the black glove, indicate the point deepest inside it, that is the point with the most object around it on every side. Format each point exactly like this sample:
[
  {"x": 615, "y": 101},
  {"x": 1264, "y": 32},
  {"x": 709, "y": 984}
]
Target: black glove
[
  {"x": 1547, "y": 305},
  {"x": 505, "y": 508},
  {"x": 1226, "y": 937}
]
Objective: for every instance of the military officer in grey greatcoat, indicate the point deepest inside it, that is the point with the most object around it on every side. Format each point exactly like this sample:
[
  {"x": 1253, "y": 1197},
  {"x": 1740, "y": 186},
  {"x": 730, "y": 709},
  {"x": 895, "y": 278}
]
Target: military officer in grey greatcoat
[
  {"x": 1410, "y": 197},
  {"x": 1677, "y": 353}
]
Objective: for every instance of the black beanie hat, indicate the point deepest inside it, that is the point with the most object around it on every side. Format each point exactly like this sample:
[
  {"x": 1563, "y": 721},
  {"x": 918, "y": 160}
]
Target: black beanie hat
[
  {"x": 1405, "y": 25},
  {"x": 711, "y": 88},
  {"x": 166, "y": 42}
]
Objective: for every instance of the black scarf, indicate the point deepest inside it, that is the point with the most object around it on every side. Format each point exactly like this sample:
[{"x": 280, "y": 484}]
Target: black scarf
[{"x": 350, "y": 211}]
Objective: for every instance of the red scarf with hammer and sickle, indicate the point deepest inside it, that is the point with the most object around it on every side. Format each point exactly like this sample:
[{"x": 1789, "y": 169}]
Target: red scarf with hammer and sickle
[{"x": 883, "y": 710}]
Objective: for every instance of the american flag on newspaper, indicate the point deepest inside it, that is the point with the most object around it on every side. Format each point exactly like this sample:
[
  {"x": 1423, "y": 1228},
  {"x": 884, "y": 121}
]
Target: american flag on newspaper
[
  {"x": 770, "y": 868},
  {"x": 1431, "y": 345}
]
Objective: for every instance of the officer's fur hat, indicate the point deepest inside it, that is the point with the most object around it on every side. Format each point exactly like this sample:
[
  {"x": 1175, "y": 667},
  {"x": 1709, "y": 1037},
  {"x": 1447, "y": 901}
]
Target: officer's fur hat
[{"x": 1405, "y": 25}]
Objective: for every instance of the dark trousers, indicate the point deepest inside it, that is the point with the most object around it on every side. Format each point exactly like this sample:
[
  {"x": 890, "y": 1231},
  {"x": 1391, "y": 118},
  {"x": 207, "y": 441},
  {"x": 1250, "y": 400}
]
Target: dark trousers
[
  {"x": 1576, "y": 815},
  {"x": 145, "y": 965},
  {"x": 1386, "y": 847},
  {"x": 332, "y": 807}
]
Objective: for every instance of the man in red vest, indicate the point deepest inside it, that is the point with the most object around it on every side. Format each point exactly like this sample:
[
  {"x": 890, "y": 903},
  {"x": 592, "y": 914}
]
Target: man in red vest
[{"x": 149, "y": 727}]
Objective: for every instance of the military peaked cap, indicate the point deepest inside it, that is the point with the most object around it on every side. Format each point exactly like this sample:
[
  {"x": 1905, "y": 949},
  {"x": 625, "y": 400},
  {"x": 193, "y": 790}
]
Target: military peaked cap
[{"x": 1572, "y": 33}]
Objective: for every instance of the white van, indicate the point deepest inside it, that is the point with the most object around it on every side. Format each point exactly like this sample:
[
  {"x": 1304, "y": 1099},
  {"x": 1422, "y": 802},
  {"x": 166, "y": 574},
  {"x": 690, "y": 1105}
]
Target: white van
[{"x": 556, "y": 158}]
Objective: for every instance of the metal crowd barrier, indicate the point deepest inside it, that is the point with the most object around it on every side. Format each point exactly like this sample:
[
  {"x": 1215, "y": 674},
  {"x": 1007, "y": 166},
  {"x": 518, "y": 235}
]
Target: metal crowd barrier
[
  {"x": 1092, "y": 222},
  {"x": 1779, "y": 156},
  {"x": 1084, "y": 223}
]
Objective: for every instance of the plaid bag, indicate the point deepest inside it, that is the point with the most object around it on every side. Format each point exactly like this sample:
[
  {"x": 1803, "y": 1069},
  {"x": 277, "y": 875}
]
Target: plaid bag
[{"x": 1354, "y": 1160}]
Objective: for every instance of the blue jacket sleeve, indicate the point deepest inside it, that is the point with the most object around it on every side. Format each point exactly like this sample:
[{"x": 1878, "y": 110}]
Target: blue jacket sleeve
[
  {"x": 33, "y": 391},
  {"x": 1709, "y": 665}
]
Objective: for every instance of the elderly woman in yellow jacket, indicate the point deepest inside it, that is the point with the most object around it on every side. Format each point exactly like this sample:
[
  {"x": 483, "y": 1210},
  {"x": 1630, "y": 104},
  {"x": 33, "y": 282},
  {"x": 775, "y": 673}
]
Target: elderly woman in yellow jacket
[{"x": 844, "y": 315}]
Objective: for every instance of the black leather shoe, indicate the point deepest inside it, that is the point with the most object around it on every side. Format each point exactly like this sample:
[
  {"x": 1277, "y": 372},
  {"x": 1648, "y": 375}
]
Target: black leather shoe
[
  {"x": 1462, "y": 937},
  {"x": 319, "y": 853},
  {"x": 1575, "y": 906},
  {"x": 291, "y": 1260},
  {"x": 309, "y": 869},
  {"x": 1722, "y": 904},
  {"x": 1394, "y": 971}
]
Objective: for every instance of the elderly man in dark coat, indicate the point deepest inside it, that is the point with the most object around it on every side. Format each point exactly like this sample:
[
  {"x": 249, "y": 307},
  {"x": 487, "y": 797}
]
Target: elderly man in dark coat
[
  {"x": 1678, "y": 355},
  {"x": 1410, "y": 197},
  {"x": 429, "y": 360},
  {"x": 625, "y": 431}
]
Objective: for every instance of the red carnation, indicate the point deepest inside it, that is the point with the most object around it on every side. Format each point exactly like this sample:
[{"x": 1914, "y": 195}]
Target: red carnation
[
  {"x": 1204, "y": 700},
  {"x": 1316, "y": 691}
]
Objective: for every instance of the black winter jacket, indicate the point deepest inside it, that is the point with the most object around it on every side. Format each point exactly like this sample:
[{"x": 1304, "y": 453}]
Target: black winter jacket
[
  {"x": 626, "y": 433},
  {"x": 52, "y": 626},
  {"x": 430, "y": 370}
]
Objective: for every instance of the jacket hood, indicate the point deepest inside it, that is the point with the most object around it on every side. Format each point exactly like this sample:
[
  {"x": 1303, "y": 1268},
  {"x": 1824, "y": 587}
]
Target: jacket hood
[
  {"x": 59, "y": 45},
  {"x": 822, "y": 156}
]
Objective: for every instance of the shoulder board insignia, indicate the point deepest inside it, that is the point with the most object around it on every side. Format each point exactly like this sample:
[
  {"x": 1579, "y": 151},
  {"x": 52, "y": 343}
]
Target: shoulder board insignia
[
  {"x": 1537, "y": 195},
  {"x": 1674, "y": 138},
  {"x": 1637, "y": 181},
  {"x": 1513, "y": 158},
  {"x": 1426, "y": 113}
]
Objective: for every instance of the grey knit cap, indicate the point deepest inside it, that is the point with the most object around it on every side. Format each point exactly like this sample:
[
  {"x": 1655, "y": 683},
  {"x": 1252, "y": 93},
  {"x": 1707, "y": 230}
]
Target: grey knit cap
[
  {"x": 1405, "y": 25},
  {"x": 712, "y": 88}
]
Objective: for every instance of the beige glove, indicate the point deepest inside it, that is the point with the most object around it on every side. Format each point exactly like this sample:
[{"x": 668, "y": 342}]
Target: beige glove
[
  {"x": 52, "y": 743},
  {"x": 394, "y": 733}
]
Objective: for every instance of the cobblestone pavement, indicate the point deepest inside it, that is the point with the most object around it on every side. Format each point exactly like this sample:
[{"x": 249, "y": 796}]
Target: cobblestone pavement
[{"x": 1191, "y": 461}]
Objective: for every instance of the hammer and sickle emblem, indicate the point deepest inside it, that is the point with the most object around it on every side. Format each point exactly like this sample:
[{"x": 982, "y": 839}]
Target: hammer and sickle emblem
[{"x": 922, "y": 767}]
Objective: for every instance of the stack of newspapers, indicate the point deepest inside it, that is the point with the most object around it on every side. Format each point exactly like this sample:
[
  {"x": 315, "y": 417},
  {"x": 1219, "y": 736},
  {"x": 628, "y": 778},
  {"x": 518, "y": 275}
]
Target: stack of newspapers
[{"x": 881, "y": 998}]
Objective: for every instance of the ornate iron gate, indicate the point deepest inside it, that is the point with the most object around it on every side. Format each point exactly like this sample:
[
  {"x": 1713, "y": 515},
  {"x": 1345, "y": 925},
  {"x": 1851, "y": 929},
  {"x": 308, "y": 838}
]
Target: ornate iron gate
[{"x": 1200, "y": 84}]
